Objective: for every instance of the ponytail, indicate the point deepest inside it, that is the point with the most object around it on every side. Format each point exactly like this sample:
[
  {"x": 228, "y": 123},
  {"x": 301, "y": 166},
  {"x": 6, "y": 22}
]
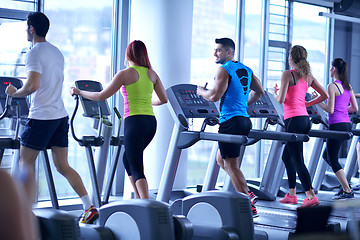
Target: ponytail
[
  {"x": 303, "y": 67},
  {"x": 342, "y": 69},
  {"x": 299, "y": 56}
]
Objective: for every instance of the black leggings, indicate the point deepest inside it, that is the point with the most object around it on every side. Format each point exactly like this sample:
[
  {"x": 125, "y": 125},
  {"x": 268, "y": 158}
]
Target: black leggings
[
  {"x": 331, "y": 153},
  {"x": 139, "y": 130},
  {"x": 293, "y": 157}
]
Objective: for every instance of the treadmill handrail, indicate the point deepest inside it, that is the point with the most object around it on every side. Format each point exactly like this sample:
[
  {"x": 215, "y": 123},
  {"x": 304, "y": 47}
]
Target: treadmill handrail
[
  {"x": 221, "y": 137},
  {"x": 189, "y": 138},
  {"x": 330, "y": 134},
  {"x": 356, "y": 132},
  {"x": 281, "y": 136}
]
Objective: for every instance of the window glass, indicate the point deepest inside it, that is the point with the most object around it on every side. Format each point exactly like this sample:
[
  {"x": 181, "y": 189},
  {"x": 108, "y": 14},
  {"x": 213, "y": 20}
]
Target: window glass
[
  {"x": 211, "y": 19},
  {"x": 311, "y": 31},
  {"x": 13, "y": 46},
  {"x": 252, "y": 41},
  {"x": 26, "y": 5},
  {"x": 81, "y": 29},
  {"x": 252, "y": 51},
  {"x": 278, "y": 32}
]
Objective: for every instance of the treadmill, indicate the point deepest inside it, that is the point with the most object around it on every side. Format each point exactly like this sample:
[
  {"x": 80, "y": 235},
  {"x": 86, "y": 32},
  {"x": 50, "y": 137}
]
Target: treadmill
[
  {"x": 213, "y": 214},
  {"x": 351, "y": 165},
  {"x": 325, "y": 183},
  {"x": 337, "y": 221},
  {"x": 277, "y": 219}
]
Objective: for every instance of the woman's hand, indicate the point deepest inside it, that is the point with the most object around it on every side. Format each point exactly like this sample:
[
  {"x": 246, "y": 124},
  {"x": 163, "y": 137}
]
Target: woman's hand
[
  {"x": 276, "y": 89},
  {"x": 314, "y": 95}
]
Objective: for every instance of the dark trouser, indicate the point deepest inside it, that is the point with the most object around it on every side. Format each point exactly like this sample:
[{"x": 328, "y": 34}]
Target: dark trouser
[
  {"x": 139, "y": 130},
  {"x": 331, "y": 153},
  {"x": 293, "y": 157}
]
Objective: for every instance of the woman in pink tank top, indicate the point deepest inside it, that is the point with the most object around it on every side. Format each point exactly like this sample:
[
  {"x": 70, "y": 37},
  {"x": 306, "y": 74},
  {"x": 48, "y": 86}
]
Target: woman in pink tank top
[
  {"x": 292, "y": 92},
  {"x": 340, "y": 95}
]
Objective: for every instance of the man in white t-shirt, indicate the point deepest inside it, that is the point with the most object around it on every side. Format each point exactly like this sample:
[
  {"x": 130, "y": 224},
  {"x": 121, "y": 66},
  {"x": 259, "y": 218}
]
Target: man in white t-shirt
[{"x": 48, "y": 121}]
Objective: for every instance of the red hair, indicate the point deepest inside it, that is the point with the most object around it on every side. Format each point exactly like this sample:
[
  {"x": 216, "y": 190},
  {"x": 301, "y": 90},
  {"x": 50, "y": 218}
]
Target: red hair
[{"x": 137, "y": 53}]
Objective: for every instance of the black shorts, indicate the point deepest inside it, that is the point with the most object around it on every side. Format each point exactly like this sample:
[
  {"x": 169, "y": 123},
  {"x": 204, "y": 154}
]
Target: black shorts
[
  {"x": 42, "y": 134},
  {"x": 238, "y": 125}
]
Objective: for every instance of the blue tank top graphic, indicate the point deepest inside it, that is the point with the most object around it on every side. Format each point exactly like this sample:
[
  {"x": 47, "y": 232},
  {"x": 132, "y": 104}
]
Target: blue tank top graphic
[{"x": 234, "y": 101}]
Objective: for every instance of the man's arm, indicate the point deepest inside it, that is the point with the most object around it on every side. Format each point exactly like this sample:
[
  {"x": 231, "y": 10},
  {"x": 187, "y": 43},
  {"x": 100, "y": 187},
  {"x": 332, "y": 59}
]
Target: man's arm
[
  {"x": 32, "y": 84},
  {"x": 257, "y": 90},
  {"x": 220, "y": 86}
]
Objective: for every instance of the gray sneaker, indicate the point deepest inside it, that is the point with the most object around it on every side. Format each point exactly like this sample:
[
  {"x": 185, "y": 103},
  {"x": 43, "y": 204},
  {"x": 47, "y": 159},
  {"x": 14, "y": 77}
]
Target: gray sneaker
[{"x": 344, "y": 195}]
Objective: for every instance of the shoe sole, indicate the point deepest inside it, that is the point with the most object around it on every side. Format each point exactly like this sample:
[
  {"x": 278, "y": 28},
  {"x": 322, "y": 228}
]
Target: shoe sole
[
  {"x": 93, "y": 219},
  {"x": 343, "y": 198},
  {"x": 288, "y": 203},
  {"x": 313, "y": 205}
]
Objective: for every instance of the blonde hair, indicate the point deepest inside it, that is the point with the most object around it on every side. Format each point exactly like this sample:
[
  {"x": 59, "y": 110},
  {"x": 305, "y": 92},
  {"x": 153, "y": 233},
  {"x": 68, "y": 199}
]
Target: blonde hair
[{"x": 299, "y": 57}]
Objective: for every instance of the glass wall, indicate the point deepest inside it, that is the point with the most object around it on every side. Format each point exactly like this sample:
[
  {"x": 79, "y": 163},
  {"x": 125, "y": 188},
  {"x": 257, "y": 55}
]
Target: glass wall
[
  {"x": 25, "y": 5},
  {"x": 13, "y": 46},
  {"x": 212, "y": 19},
  {"x": 311, "y": 31},
  {"x": 215, "y": 20},
  {"x": 82, "y": 31},
  {"x": 252, "y": 53}
]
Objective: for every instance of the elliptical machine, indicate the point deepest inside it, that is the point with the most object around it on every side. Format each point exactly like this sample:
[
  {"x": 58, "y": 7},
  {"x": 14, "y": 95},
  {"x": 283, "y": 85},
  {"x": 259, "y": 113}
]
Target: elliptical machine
[{"x": 130, "y": 219}]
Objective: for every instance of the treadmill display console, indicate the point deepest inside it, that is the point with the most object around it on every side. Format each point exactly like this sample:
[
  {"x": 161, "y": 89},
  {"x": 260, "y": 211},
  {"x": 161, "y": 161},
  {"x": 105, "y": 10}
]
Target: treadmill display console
[
  {"x": 316, "y": 113},
  {"x": 190, "y": 98},
  {"x": 186, "y": 102},
  {"x": 265, "y": 107}
]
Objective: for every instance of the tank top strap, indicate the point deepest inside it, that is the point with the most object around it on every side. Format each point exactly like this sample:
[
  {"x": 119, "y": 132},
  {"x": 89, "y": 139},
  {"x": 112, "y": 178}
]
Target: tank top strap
[
  {"x": 292, "y": 74},
  {"x": 337, "y": 86}
]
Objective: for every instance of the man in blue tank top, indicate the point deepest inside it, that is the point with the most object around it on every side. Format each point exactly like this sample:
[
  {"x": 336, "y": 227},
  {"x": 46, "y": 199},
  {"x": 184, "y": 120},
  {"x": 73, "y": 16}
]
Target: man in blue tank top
[{"x": 236, "y": 87}]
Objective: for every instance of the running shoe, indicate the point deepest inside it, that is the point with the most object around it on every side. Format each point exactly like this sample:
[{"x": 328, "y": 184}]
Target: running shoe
[
  {"x": 254, "y": 211},
  {"x": 90, "y": 215},
  {"x": 341, "y": 191},
  {"x": 356, "y": 187},
  {"x": 310, "y": 202},
  {"x": 344, "y": 195},
  {"x": 253, "y": 198},
  {"x": 289, "y": 199}
]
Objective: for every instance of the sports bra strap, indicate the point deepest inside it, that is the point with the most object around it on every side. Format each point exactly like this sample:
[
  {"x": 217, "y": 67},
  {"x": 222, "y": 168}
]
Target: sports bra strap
[
  {"x": 337, "y": 87},
  {"x": 293, "y": 77}
]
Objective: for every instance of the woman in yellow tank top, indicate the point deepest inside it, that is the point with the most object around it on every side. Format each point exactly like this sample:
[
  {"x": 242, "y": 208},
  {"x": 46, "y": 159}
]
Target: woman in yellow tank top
[{"x": 137, "y": 82}]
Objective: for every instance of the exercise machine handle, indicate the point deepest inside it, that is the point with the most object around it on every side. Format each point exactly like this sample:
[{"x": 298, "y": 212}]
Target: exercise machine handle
[
  {"x": 101, "y": 120},
  {"x": 211, "y": 121},
  {"x": 86, "y": 140},
  {"x": 76, "y": 97},
  {"x": 117, "y": 113},
  {"x": 7, "y": 107}
]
